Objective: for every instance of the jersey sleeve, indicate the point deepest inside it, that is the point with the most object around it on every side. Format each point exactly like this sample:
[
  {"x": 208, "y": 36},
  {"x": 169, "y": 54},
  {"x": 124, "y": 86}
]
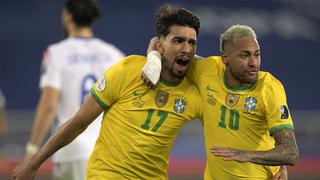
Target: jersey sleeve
[
  {"x": 107, "y": 89},
  {"x": 277, "y": 111},
  {"x": 50, "y": 71},
  {"x": 199, "y": 66}
]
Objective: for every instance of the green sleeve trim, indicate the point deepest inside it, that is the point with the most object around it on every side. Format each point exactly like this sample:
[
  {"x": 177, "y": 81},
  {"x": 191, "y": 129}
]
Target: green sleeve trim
[
  {"x": 282, "y": 126},
  {"x": 99, "y": 101}
]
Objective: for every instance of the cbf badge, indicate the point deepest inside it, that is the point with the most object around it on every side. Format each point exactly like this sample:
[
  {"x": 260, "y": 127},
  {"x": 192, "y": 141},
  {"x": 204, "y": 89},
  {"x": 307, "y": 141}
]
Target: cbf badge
[
  {"x": 179, "y": 105},
  {"x": 232, "y": 99},
  {"x": 161, "y": 98},
  {"x": 101, "y": 85},
  {"x": 250, "y": 104}
]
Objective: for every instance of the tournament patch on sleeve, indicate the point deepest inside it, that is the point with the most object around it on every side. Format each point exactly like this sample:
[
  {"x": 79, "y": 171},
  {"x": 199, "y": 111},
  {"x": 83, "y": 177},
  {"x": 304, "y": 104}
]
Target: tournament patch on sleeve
[{"x": 284, "y": 112}]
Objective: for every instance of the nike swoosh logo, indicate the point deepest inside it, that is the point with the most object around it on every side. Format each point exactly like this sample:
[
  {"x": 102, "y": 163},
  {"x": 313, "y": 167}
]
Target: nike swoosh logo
[
  {"x": 135, "y": 93},
  {"x": 210, "y": 89}
]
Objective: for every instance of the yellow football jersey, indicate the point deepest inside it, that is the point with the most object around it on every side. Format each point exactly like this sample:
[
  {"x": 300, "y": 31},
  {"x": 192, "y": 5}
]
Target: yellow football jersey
[
  {"x": 239, "y": 118},
  {"x": 139, "y": 125}
]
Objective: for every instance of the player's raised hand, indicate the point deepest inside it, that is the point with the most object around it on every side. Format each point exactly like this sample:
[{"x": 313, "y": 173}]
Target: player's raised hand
[
  {"x": 282, "y": 174},
  {"x": 23, "y": 171},
  {"x": 151, "y": 70},
  {"x": 147, "y": 81},
  {"x": 152, "y": 44}
]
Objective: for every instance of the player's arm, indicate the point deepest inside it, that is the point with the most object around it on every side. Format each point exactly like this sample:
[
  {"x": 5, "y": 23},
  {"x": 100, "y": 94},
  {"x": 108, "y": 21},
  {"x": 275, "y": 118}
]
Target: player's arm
[
  {"x": 285, "y": 151},
  {"x": 44, "y": 118},
  {"x": 63, "y": 136},
  {"x": 2, "y": 120},
  {"x": 151, "y": 70},
  {"x": 2, "y": 114},
  {"x": 282, "y": 174}
]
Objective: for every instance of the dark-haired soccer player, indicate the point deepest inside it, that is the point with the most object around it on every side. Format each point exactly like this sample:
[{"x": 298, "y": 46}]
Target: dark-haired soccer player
[
  {"x": 70, "y": 68},
  {"x": 139, "y": 125}
]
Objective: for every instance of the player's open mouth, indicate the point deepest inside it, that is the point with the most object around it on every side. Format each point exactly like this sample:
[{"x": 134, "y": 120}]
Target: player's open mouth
[{"x": 182, "y": 63}]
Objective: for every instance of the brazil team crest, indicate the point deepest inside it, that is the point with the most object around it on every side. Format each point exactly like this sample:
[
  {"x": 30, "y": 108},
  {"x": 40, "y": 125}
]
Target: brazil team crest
[
  {"x": 161, "y": 98},
  {"x": 250, "y": 104},
  {"x": 179, "y": 105},
  {"x": 232, "y": 99}
]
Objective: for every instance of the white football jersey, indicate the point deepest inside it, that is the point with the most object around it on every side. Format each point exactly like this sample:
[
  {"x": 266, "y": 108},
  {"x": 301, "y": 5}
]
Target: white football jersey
[{"x": 72, "y": 66}]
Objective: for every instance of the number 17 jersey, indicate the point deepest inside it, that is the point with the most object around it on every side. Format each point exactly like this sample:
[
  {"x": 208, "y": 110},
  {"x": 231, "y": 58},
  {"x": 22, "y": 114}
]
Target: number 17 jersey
[{"x": 139, "y": 125}]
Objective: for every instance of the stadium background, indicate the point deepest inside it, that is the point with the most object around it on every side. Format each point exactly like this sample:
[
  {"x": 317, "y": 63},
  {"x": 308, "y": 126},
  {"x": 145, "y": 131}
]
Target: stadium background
[{"x": 289, "y": 34}]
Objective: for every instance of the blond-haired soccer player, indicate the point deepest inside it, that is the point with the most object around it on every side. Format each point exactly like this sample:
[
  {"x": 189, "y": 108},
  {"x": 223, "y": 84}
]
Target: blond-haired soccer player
[
  {"x": 139, "y": 125},
  {"x": 247, "y": 125}
]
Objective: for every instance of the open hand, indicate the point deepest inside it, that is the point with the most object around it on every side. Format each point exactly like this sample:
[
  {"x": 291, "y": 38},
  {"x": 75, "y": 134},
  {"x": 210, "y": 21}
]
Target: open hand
[
  {"x": 230, "y": 154},
  {"x": 23, "y": 171}
]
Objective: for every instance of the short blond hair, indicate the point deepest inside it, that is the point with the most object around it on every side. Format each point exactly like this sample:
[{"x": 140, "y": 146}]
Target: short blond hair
[{"x": 236, "y": 31}]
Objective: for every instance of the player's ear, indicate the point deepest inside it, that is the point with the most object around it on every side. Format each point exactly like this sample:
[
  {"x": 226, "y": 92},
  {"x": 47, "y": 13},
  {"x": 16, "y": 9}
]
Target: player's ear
[
  {"x": 224, "y": 57},
  {"x": 160, "y": 45}
]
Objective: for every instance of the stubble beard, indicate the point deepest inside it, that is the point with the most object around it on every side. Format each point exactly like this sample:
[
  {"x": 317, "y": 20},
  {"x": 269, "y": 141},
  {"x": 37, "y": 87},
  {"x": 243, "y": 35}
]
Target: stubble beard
[
  {"x": 241, "y": 77},
  {"x": 176, "y": 73}
]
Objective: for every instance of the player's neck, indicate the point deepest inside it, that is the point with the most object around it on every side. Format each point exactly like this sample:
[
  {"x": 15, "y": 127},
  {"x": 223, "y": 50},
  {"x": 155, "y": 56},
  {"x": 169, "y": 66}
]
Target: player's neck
[
  {"x": 85, "y": 32},
  {"x": 232, "y": 83},
  {"x": 168, "y": 77}
]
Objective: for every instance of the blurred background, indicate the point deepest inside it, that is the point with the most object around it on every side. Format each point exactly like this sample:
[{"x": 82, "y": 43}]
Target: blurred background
[{"x": 289, "y": 36}]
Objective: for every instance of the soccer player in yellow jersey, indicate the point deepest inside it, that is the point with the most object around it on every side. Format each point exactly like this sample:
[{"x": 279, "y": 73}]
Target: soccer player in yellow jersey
[
  {"x": 246, "y": 118},
  {"x": 139, "y": 125},
  {"x": 247, "y": 125}
]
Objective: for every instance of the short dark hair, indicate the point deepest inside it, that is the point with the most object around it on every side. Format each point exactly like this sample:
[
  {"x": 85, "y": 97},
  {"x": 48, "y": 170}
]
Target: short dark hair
[
  {"x": 168, "y": 16},
  {"x": 84, "y": 12}
]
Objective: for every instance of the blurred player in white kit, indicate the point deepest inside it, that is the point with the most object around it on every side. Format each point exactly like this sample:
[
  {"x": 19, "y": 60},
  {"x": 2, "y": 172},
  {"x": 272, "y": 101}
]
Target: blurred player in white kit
[{"x": 69, "y": 69}]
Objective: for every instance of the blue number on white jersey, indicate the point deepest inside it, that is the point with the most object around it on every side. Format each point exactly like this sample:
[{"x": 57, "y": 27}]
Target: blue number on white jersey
[{"x": 86, "y": 85}]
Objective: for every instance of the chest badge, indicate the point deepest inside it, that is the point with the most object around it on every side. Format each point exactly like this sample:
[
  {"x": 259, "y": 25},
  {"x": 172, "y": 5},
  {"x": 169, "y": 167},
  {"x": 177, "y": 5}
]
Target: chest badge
[
  {"x": 250, "y": 104},
  {"x": 232, "y": 99},
  {"x": 161, "y": 98},
  {"x": 179, "y": 105}
]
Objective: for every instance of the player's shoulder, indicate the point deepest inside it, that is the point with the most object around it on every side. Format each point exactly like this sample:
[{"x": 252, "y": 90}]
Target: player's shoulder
[
  {"x": 208, "y": 62},
  {"x": 134, "y": 60},
  {"x": 213, "y": 59},
  {"x": 268, "y": 81},
  {"x": 103, "y": 43},
  {"x": 53, "y": 52},
  {"x": 60, "y": 45},
  {"x": 131, "y": 63},
  {"x": 127, "y": 70}
]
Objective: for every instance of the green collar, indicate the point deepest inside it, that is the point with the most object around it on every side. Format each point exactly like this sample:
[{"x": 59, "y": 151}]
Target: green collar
[
  {"x": 236, "y": 89},
  {"x": 171, "y": 84}
]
